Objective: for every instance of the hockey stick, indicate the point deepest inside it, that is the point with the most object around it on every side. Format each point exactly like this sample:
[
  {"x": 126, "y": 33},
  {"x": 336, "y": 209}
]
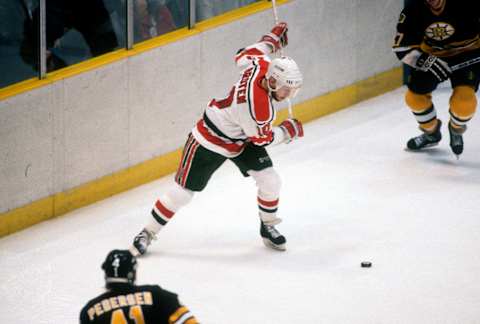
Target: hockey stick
[
  {"x": 275, "y": 12},
  {"x": 275, "y": 17},
  {"x": 465, "y": 64}
]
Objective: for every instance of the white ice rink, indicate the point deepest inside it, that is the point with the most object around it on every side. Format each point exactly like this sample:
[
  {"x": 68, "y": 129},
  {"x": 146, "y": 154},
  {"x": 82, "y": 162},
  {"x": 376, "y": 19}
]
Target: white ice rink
[{"x": 350, "y": 193}]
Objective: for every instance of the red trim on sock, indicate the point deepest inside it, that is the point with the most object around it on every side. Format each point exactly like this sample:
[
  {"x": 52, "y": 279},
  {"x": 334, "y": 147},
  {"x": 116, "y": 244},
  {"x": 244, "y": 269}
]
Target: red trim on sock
[
  {"x": 265, "y": 203},
  {"x": 164, "y": 210}
]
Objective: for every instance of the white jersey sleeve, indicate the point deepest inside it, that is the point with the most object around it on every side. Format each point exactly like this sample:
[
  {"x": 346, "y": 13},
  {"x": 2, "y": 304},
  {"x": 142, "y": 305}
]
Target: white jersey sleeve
[{"x": 246, "y": 114}]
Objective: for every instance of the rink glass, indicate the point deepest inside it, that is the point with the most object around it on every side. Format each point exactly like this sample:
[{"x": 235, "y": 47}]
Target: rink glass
[
  {"x": 14, "y": 18},
  {"x": 74, "y": 31}
]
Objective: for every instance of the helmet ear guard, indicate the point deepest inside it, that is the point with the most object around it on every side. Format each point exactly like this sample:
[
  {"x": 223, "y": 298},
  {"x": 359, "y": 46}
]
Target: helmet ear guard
[{"x": 286, "y": 73}]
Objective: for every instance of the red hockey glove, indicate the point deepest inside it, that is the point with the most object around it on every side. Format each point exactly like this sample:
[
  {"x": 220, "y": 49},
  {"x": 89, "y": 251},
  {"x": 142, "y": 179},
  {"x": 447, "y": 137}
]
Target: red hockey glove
[
  {"x": 277, "y": 37},
  {"x": 292, "y": 128},
  {"x": 264, "y": 136}
]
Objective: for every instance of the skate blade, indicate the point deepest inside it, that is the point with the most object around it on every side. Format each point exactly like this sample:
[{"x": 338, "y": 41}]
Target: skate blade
[
  {"x": 278, "y": 247},
  {"x": 421, "y": 149},
  {"x": 457, "y": 155}
]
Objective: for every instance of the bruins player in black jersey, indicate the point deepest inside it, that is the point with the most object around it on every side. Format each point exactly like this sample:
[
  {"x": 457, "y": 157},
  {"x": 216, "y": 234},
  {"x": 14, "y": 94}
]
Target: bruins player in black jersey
[
  {"x": 126, "y": 303},
  {"x": 432, "y": 36}
]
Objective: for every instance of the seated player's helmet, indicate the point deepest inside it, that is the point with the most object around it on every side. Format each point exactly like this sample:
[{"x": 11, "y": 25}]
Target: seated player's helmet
[
  {"x": 120, "y": 266},
  {"x": 286, "y": 73}
]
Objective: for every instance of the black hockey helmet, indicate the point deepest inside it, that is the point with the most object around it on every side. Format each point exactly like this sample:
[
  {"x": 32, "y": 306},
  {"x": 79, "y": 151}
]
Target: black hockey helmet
[{"x": 120, "y": 266}]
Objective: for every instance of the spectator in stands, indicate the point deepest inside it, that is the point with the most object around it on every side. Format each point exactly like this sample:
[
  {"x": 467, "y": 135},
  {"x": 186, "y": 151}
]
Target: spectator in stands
[
  {"x": 12, "y": 67},
  {"x": 89, "y": 17},
  {"x": 209, "y": 8},
  {"x": 151, "y": 17}
]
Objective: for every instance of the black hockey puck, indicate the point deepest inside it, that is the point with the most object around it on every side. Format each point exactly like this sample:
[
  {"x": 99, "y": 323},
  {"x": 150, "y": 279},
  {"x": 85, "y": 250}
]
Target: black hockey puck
[{"x": 366, "y": 264}]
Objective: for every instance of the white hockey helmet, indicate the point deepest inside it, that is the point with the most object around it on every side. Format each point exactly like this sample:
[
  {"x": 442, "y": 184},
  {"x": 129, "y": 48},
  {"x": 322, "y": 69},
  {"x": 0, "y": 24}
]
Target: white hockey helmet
[{"x": 286, "y": 73}]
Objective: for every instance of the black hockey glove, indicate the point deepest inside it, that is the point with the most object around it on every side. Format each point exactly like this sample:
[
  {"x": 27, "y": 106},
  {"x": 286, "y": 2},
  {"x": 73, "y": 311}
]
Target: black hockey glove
[{"x": 430, "y": 63}]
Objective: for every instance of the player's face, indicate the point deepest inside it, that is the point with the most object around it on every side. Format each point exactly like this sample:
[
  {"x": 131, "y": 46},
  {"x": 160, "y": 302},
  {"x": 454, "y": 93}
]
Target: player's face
[
  {"x": 283, "y": 92},
  {"x": 435, "y": 4}
]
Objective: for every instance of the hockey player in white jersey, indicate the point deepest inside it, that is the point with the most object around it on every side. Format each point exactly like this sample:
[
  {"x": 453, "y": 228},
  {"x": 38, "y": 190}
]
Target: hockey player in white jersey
[{"x": 237, "y": 128}]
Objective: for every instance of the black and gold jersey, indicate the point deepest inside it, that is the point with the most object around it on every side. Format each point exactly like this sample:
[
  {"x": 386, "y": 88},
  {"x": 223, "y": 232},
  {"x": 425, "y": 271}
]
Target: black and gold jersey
[
  {"x": 136, "y": 304},
  {"x": 453, "y": 30}
]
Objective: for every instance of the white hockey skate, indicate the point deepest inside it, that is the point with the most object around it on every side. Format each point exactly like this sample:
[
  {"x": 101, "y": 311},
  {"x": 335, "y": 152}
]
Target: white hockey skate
[
  {"x": 141, "y": 242},
  {"x": 272, "y": 238}
]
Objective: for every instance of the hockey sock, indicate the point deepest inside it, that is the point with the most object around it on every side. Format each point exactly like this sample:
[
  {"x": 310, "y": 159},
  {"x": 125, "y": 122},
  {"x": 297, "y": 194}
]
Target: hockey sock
[
  {"x": 268, "y": 211},
  {"x": 167, "y": 206},
  {"x": 463, "y": 104},
  {"x": 422, "y": 108},
  {"x": 161, "y": 215}
]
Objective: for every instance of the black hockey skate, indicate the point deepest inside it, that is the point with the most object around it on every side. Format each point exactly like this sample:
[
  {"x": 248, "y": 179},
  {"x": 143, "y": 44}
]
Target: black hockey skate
[
  {"x": 141, "y": 242},
  {"x": 456, "y": 139},
  {"x": 426, "y": 139},
  {"x": 272, "y": 238}
]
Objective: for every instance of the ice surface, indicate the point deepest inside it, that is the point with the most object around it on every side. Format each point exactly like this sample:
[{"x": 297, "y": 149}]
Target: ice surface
[{"x": 350, "y": 194}]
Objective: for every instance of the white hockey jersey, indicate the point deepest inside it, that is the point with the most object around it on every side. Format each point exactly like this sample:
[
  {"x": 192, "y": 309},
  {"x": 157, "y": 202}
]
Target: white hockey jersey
[{"x": 246, "y": 114}]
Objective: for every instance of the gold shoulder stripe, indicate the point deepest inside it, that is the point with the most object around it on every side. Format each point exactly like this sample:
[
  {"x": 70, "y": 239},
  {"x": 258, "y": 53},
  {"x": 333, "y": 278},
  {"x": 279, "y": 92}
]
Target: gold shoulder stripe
[
  {"x": 192, "y": 320},
  {"x": 184, "y": 318},
  {"x": 178, "y": 313}
]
